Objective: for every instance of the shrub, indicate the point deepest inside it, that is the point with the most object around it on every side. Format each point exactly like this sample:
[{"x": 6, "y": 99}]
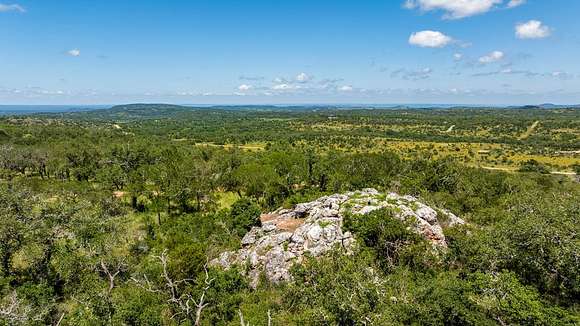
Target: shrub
[
  {"x": 244, "y": 215},
  {"x": 390, "y": 239},
  {"x": 534, "y": 166}
]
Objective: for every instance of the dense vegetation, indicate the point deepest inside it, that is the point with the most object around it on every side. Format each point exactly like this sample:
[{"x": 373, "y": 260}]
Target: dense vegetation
[{"x": 111, "y": 217}]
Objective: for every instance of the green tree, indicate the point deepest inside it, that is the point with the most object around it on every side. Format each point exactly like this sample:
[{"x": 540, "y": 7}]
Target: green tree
[{"x": 244, "y": 215}]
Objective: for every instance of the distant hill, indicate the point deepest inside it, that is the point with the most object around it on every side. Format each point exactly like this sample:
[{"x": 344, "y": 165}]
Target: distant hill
[
  {"x": 158, "y": 111},
  {"x": 144, "y": 111},
  {"x": 127, "y": 112},
  {"x": 556, "y": 106},
  {"x": 545, "y": 106}
]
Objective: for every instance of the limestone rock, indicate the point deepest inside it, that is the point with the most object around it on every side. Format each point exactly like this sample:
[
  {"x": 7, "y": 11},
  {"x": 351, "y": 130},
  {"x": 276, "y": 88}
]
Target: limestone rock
[{"x": 315, "y": 228}]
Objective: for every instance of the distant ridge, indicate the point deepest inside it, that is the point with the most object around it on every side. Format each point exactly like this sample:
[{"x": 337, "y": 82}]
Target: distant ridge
[
  {"x": 157, "y": 110},
  {"x": 546, "y": 106}
]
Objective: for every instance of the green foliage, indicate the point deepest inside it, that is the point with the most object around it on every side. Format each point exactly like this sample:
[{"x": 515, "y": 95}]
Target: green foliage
[
  {"x": 244, "y": 214},
  {"x": 576, "y": 168},
  {"x": 89, "y": 202},
  {"x": 333, "y": 291},
  {"x": 135, "y": 306},
  {"x": 508, "y": 301},
  {"x": 537, "y": 240},
  {"x": 534, "y": 166},
  {"x": 540, "y": 238},
  {"x": 391, "y": 240}
]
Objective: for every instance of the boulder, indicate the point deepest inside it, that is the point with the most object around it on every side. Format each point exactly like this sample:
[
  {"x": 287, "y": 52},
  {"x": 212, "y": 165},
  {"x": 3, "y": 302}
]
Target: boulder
[{"x": 316, "y": 228}]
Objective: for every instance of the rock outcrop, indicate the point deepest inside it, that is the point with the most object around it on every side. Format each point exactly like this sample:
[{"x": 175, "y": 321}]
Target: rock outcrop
[{"x": 314, "y": 228}]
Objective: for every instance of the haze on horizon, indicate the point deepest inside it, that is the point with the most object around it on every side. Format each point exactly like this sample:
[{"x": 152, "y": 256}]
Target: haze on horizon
[{"x": 508, "y": 52}]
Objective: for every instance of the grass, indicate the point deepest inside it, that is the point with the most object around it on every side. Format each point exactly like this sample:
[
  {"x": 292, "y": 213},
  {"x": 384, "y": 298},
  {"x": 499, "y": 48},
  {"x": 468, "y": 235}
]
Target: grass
[
  {"x": 225, "y": 200},
  {"x": 252, "y": 147},
  {"x": 324, "y": 224}
]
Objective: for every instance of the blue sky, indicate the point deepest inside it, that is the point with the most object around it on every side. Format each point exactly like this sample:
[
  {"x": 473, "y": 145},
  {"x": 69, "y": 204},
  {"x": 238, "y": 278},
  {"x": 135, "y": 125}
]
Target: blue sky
[{"x": 300, "y": 51}]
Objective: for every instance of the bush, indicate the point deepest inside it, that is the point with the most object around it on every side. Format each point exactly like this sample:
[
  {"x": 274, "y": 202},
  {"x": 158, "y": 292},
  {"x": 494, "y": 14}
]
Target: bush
[
  {"x": 244, "y": 215},
  {"x": 540, "y": 243},
  {"x": 534, "y": 166},
  {"x": 390, "y": 239}
]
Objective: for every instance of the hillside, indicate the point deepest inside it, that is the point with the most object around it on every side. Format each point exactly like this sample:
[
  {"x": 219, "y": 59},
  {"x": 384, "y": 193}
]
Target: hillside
[{"x": 130, "y": 216}]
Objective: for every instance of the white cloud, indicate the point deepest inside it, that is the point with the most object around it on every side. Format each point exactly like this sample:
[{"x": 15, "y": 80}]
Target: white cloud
[
  {"x": 245, "y": 87},
  {"x": 533, "y": 29},
  {"x": 74, "y": 52},
  {"x": 458, "y": 56},
  {"x": 454, "y": 9},
  {"x": 12, "y": 7},
  {"x": 414, "y": 75},
  {"x": 345, "y": 88},
  {"x": 303, "y": 78},
  {"x": 561, "y": 75},
  {"x": 515, "y": 3},
  {"x": 281, "y": 80},
  {"x": 527, "y": 73},
  {"x": 492, "y": 57},
  {"x": 430, "y": 39},
  {"x": 284, "y": 87}
]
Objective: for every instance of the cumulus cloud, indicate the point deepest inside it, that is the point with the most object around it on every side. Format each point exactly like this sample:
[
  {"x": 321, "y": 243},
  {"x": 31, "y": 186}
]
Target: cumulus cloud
[
  {"x": 281, "y": 80},
  {"x": 494, "y": 56},
  {"x": 533, "y": 29},
  {"x": 430, "y": 39},
  {"x": 515, "y": 3},
  {"x": 458, "y": 56},
  {"x": 74, "y": 52},
  {"x": 11, "y": 7},
  {"x": 454, "y": 9},
  {"x": 303, "y": 77},
  {"x": 345, "y": 88},
  {"x": 285, "y": 87},
  {"x": 245, "y": 87}
]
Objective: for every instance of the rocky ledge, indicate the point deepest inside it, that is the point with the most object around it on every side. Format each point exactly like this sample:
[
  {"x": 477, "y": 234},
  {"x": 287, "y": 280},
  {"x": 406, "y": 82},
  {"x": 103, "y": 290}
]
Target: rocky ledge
[{"x": 314, "y": 228}]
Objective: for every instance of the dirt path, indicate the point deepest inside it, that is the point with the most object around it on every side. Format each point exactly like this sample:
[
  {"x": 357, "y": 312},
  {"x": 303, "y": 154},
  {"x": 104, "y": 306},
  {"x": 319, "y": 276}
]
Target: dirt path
[
  {"x": 450, "y": 128},
  {"x": 530, "y": 130},
  {"x": 516, "y": 170}
]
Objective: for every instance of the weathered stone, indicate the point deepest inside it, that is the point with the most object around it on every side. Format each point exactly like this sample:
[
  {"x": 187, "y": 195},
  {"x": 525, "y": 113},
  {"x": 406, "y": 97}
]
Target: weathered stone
[
  {"x": 273, "y": 250},
  {"x": 297, "y": 238},
  {"x": 282, "y": 237},
  {"x": 452, "y": 219},
  {"x": 367, "y": 209},
  {"x": 269, "y": 227},
  {"x": 314, "y": 233},
  {"x": 250, "y": 237},
  {"x": 427, "y": 213}
]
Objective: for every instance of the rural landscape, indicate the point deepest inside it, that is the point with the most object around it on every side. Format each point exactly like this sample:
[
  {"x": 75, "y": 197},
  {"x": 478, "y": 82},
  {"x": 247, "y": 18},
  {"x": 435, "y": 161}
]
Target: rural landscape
[
  {"x": 118, "y": 216},
  {"x": 249, "y": 163}
]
